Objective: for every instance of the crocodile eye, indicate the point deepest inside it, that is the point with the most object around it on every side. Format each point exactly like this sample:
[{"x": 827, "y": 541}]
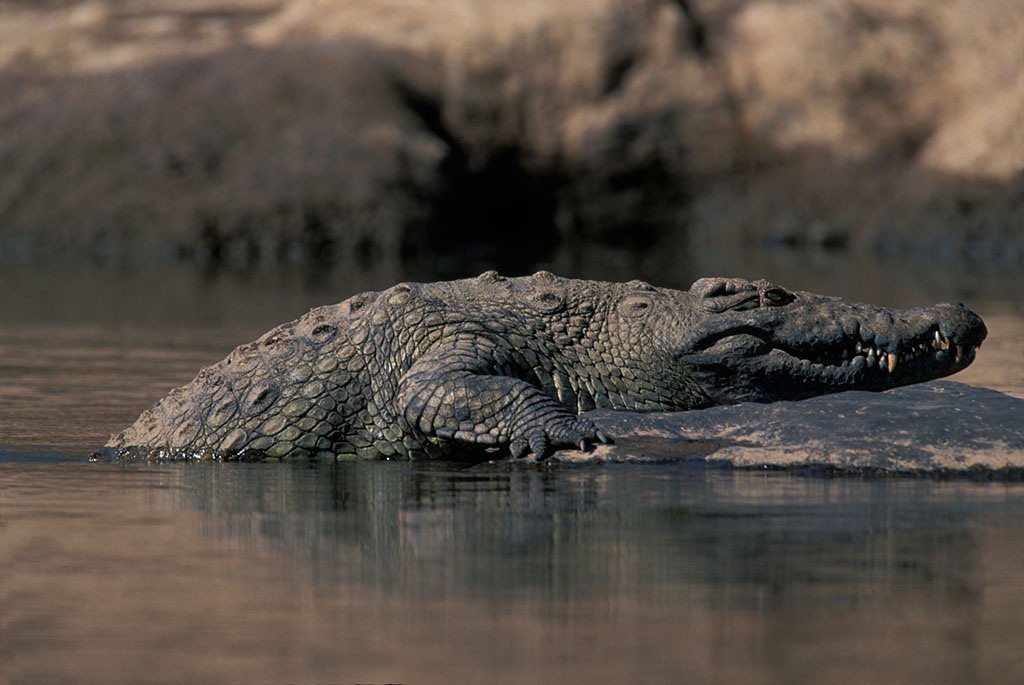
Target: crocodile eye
[{"x": 777, "y": 296}]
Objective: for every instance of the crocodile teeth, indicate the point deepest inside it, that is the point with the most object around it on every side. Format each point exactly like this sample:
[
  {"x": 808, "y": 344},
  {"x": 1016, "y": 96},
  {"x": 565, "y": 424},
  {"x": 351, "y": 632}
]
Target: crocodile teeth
[
  {"x": 894, "y": 358},
  {"x": 873, "y": 356}
]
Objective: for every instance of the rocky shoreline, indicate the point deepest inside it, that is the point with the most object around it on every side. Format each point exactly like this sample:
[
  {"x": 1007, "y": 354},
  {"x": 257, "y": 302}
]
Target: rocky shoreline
[{"x": 247, "y": 132}]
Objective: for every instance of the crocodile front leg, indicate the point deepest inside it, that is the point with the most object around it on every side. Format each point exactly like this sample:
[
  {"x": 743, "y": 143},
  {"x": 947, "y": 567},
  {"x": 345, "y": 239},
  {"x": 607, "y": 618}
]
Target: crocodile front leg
[{"x": 454, "y": 393}]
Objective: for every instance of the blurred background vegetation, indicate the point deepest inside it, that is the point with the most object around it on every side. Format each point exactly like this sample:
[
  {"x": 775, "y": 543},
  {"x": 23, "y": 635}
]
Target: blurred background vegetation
[{"x": 626, "y": 138}]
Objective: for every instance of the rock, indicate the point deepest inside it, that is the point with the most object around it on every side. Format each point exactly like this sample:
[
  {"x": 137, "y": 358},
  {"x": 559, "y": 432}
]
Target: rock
[
  {"x": 940, "y": 427},
  {"x": 296, "y": 154},
  {"x": 897, "y": 135},
  {"x": 301, "y": 130}
]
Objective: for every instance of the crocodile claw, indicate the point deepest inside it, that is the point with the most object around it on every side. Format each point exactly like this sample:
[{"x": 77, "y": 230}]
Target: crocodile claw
[
  {"x": 518, "y": 448},
  {"x": 560, "y": 432},
  {"x": 539, "y": 445}
]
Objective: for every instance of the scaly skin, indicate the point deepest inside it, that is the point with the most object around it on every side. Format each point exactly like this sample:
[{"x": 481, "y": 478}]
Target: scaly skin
[{"x": 454, "y": 368}]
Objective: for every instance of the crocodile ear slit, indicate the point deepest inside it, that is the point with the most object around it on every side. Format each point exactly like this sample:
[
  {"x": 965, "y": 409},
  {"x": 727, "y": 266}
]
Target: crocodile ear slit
[{"x": 634, "y": 306}]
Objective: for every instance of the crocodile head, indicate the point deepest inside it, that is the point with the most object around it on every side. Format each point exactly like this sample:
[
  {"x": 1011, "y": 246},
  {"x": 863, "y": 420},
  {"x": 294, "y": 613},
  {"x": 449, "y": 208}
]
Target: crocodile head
[{"x": 754, "y": 341}]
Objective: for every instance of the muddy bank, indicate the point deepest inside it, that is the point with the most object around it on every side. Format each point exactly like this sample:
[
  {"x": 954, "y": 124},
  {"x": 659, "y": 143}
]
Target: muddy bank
[
  {"x": 936, "y": 428},
  {"x": 293, "y": 131}
]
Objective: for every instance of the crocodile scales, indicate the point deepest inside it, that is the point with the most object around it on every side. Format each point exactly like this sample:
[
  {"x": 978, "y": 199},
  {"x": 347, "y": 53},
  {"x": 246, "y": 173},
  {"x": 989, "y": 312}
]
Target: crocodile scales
[{"x": 508, "y": 364}]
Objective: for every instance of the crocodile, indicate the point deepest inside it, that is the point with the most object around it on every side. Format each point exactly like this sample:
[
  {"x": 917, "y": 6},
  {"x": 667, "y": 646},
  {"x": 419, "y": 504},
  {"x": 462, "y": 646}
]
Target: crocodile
[{"x": 500, "y": 365}]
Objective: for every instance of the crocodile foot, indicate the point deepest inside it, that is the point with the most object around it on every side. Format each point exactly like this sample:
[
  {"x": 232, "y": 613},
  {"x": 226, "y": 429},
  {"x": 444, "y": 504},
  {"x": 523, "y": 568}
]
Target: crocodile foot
[{"x": 556, "y": 432}]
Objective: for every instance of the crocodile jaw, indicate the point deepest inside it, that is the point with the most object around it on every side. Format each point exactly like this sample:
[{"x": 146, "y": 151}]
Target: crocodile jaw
[{"x": 762, "y": 366}]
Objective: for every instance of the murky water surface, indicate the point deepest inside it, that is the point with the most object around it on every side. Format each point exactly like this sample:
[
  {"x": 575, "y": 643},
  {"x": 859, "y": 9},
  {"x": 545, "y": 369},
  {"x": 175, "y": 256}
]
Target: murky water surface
[{"x": 399, "y": 572}]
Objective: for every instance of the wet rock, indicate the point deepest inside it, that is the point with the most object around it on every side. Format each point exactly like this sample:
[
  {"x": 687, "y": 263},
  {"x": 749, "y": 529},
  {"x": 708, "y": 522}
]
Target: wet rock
[{"x": 941, "y": 427}]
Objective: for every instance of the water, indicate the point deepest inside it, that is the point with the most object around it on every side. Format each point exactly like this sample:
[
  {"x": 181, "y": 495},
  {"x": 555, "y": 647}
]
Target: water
[
  {"x": 388, "y": 572},
  {"x": 399, "y": 572}
]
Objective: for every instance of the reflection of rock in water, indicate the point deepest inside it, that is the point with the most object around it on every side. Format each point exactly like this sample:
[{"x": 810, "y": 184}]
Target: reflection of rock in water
[{"x": 715, "y": 537}]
